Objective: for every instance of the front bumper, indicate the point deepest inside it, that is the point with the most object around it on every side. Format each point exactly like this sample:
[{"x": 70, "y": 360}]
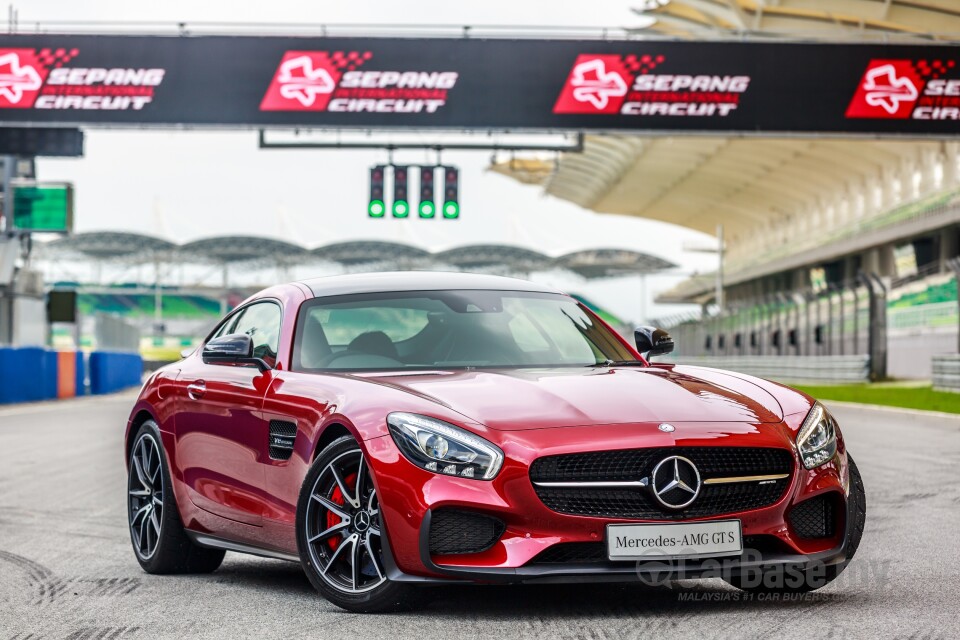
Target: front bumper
[{"x": 410, "y": 496}]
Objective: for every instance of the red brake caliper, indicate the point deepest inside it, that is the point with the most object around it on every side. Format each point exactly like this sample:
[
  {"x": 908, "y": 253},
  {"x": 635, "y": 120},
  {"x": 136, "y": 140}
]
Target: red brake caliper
[{"x": 338, "y": 498}]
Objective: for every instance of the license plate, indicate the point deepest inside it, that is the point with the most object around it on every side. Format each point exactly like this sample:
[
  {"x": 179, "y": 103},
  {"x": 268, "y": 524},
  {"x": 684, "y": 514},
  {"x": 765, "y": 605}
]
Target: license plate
[{"x": 674, "y": 541}]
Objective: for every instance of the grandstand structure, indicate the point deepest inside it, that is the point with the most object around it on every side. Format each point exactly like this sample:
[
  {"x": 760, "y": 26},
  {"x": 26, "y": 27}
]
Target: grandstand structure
[
  {"x": 800, "y": 216},
  {"x": 173, "y": 316}
]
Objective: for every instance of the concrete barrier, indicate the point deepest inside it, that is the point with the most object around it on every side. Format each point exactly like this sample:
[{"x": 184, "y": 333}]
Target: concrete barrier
[
  {"x": 946, "y": 372},
  {"x": 809, "y": 369},
  {"x": 110, "y": 371}
]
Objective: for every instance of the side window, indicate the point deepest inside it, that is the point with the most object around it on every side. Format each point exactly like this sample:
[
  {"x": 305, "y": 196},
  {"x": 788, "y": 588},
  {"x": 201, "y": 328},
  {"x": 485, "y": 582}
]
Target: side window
[{"x": 261, "y": 321}]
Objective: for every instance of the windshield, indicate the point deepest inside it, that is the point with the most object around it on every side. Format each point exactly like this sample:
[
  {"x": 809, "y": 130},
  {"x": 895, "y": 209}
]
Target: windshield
[{"x": 451, "y": 329}]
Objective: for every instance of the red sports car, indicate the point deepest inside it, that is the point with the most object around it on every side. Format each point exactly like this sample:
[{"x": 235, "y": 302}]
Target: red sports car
[{"x": 390, "y": 431}]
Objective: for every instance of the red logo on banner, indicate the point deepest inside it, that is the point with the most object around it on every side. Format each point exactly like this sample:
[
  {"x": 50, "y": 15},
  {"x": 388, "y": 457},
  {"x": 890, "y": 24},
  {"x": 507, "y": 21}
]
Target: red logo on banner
[
  {"x": 596, "y": 84},
  {"x": 888, "y": 89},
  {"x": 305, "y": 80},
  {"x": 21, "y": 78}
]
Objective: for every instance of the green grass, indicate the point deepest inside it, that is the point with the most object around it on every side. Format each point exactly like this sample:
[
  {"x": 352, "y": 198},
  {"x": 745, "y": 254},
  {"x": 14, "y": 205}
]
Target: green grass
[{"x": 908, "y": 396}]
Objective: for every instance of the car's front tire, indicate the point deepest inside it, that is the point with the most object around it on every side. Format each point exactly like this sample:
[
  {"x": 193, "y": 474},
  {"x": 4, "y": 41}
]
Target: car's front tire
[
  {"x": 818, "y": 577},
  {"x": 340, "y": 535},
  {"x": 159, "y": 541}
]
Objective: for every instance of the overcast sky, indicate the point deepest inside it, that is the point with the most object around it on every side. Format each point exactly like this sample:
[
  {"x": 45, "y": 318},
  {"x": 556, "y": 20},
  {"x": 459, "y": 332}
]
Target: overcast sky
[{"x": 186, "y": 185}]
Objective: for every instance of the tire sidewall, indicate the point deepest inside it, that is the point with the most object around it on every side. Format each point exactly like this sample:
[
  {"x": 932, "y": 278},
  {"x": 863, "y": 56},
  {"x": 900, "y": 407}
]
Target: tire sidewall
[
  {"x": 170, "y": 516},
  {"x": 386, "y": 596}
]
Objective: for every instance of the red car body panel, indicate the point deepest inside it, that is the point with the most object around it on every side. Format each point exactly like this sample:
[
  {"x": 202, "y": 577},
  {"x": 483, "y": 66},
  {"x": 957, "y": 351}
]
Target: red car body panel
[{"x": 226, "y": 485}]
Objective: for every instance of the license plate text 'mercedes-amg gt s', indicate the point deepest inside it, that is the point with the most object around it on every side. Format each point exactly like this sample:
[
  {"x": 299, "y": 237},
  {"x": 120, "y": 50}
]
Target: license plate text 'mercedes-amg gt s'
[{"x": 391, "y": 431}]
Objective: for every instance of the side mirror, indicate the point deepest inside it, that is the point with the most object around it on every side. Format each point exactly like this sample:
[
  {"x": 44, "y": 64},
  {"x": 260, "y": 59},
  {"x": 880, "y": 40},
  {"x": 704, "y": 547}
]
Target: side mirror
[
  {"x": 236, "y": 348},
  {"x": 652, "y": 341}
]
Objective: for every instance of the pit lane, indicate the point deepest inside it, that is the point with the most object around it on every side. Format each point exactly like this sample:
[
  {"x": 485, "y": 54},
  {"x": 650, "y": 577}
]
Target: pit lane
[{"x": 67, "y": 571}]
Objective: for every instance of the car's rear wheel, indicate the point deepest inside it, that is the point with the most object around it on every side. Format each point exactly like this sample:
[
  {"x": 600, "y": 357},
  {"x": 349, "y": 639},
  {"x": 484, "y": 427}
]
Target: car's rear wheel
[
  {"x": 340, "y": 535},
  {"x": 817, "y": 577},
  {"x": 159, "y": 541}
]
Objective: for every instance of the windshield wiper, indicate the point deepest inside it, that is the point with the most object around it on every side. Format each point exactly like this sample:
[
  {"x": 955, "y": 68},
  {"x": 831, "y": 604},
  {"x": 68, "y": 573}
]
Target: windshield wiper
[{"x": 617, "y": 363}]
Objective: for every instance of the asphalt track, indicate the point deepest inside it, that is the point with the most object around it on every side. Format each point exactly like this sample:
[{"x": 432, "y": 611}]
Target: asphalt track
[{"x": 67, "y": 571}]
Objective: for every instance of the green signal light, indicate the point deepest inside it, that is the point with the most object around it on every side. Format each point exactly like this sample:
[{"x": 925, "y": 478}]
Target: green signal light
[
  {"x": 451, "y": 210},
  {"x": 427, "y": 210},
  {"x": 401, "y": 209},
  {"x": 376, "y": 209}
]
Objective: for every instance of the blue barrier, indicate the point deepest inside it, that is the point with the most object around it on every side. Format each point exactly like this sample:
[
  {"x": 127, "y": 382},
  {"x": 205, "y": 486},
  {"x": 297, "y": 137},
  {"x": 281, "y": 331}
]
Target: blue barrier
[
  {"x": 10, "y": 378},
  {"x": 48, "y": 377},
  {"x": 27, "y": 374},
  {"x": 32, "y": 364},
  {"x": 81, "y": 373},
  {"x": 114, "y": 371}
]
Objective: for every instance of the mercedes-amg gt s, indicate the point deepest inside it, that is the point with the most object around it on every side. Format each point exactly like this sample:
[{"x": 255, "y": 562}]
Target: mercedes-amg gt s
[{"x": 390, "y": 431}]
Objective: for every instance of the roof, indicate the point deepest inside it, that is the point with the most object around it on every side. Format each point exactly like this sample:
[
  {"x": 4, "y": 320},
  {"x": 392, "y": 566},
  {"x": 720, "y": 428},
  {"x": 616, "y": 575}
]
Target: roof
[
  {"x": 591, "y": 263},
  {"x": 240, "y": 249},
  {"x": 485, "y": 256},
  {"x": 417, "y": 281},
  {"x": 865, "y": 19},
  {"x": 111, "y": 244},
  {"x": 774, "y": 196},
  {"x": 700, "y": 182}
]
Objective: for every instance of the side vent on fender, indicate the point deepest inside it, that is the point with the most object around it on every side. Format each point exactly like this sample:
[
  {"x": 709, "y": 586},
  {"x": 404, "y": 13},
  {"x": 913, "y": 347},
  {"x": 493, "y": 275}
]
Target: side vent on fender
[{"x": 282, "y": 436}]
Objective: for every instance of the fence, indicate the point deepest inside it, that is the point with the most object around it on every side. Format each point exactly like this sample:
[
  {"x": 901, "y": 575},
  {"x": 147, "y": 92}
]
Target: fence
[
  {"x": 847, "y": 319},
  {"x": 946, "y": 372},
  {"x": 791, "y": 368}
]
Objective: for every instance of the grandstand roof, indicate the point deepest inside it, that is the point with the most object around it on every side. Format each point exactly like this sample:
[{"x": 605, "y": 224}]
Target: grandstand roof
[
  {"x": 240, "y": 249},
  {"x": 773, "y": 194},
  {"x": 825, "y": 19},
  {"x": 608, "y": 263},
  {"x": 362, "y": 252},
  {"x": 113, "y": 244},
  {"x": 486, "y": 256},
  {"x": 591, "y": 263}
]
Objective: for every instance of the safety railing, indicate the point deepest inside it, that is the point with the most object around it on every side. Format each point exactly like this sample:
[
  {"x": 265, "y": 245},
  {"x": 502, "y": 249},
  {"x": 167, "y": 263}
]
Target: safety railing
[{"x": 848, "y": 319}]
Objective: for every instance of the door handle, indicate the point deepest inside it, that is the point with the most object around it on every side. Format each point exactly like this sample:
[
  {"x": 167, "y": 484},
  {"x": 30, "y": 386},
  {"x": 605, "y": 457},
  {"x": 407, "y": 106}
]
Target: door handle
[{"x": 196, "y": 389}]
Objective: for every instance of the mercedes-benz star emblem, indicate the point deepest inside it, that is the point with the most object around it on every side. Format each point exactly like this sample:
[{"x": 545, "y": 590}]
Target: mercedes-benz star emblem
[
  {"x": 361, "y": 521},
  {"x": 675, "y": 482},
  {"x": 667, "y": 428}
]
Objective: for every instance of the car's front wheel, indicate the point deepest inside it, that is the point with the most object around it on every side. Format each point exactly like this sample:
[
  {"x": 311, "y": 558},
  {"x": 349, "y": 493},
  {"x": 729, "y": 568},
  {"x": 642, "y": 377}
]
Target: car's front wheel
[
  {"x": 340, "y": 534},
  {"x": 819, "y": 576},
  {"x": 159, "y": 540}
]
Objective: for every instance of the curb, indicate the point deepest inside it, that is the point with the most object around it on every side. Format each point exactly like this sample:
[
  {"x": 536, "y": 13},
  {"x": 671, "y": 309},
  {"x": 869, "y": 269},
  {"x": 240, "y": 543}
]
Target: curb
[{"x": 889, "y": 409}]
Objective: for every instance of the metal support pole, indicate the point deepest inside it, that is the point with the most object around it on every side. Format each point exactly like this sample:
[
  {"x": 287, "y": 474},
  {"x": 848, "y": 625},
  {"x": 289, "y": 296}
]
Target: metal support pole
[
  {"x": 954, "y": 265},
  {"x": 877, "y": 336},
  {"x": 856, "y": 320},
  {"x": 226, "y": 289},
  {"x": 157, "y": 300},
  {"x": 720, "y": 259}
]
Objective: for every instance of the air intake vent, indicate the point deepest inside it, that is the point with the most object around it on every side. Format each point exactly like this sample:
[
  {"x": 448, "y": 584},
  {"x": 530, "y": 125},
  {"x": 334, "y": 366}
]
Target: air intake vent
[
  {"x": 282, "y": 436},
  {"x": 814, "y": 518},
  {"x": 462, "y": 532}
]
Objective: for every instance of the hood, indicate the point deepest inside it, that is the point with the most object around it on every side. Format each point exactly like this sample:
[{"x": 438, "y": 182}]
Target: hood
[{"x": 519, "y": 399}]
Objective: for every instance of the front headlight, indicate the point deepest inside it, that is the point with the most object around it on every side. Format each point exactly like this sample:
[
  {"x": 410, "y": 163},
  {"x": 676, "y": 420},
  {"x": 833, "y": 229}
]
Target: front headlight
[
  {"x": 817, "y": 439},
  {"x": 442, "y": 448}
]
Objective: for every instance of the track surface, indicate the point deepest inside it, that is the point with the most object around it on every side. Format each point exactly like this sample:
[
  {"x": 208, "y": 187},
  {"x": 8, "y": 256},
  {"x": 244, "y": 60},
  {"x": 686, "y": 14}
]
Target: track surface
[{"x": 67, "y": 571}]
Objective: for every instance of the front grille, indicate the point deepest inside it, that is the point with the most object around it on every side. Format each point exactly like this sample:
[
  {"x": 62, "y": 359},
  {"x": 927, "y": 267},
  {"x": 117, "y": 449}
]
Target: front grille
[
  {"x": 814, "y": 518},
  {"x": 454, "y": 531},
  {"x": 634, "y": 464}
]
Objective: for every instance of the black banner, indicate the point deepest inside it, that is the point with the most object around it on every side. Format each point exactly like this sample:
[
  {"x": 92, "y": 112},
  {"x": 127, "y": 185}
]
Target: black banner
[{"x": 469, "y": 84}]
